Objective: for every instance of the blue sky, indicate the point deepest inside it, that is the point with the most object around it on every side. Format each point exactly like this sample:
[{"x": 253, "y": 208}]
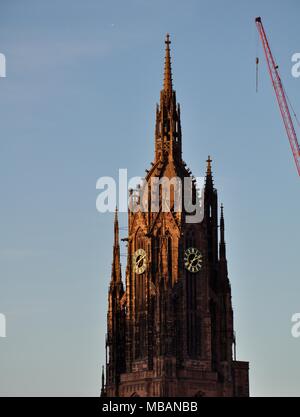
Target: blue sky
[{"x": 79, "y": 103}]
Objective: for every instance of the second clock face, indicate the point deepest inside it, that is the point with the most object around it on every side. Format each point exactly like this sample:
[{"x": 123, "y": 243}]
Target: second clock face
[
  {"x": 193, "y": 260},
  {"x": 139, "y": 261}
]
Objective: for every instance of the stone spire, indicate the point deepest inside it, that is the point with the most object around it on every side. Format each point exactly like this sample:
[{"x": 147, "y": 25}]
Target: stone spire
[
  {"x": 116, "y": 264},
  {"x": 103, "y": 393},
  {"x": 222, "y": 236},
  {"x": 168, "y": 126},
  {"x": 208, "y": 167},
  {"x": 168, "y": 70},
  {"x": 208, "y": 178}
]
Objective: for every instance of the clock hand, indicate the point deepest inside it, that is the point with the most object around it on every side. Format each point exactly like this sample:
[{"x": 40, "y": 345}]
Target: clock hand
[
  {"x": 139, "y": 261},
  {"x": 195, "y": 259}
]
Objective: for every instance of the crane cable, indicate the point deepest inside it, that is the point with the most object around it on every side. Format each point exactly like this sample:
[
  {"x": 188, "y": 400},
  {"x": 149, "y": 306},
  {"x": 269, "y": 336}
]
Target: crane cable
[
  {"x": 289, "y": 101},
  {"x": 291, "y": 106}
]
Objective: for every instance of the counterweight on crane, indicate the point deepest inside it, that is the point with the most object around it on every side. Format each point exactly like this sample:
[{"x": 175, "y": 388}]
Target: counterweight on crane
[{"x": 280, "y": 94}]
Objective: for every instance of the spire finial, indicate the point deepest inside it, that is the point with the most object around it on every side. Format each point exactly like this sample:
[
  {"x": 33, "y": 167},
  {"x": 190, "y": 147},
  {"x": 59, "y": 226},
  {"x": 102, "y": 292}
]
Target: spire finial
[
  {"x": 208, "y": 169},
  {"x": 222, "y": 223},
  {"x": 167, "y": 71}
]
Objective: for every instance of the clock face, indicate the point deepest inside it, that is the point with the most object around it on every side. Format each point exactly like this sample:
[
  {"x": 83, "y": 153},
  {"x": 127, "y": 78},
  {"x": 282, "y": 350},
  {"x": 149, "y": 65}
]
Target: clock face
[
  {"x": 139, "y": 261},
  {"x": 193, "y": 260}
]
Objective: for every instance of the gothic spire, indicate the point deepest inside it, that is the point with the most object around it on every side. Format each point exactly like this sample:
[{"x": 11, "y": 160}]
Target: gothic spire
[
  {"x": 208, "y": 177},
  {"x": 208, "y": 167},
  {"x": 168, "y": 127},
  {"x": 116, "y": 228},
  {"x": 222, "y": 236},
  {"x": 102, "y": 384},
  {"x": 168, "y": 70},
  {"x": 116, "y": 265}
]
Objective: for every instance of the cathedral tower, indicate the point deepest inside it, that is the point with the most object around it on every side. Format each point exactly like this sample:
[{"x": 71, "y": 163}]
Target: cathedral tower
[{"x": 170, "y": 330}]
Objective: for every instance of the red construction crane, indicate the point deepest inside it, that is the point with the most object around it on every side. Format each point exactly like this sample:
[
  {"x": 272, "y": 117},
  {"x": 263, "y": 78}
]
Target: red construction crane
[{"x": 280, "y": 94}]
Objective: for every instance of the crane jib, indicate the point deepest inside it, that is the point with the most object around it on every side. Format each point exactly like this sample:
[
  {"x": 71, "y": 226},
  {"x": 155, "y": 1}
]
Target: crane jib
[{"x": 280, "y": 94}]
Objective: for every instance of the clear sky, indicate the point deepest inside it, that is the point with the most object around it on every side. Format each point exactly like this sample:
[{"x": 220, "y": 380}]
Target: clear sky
[{"x": 78, "y": 103}]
